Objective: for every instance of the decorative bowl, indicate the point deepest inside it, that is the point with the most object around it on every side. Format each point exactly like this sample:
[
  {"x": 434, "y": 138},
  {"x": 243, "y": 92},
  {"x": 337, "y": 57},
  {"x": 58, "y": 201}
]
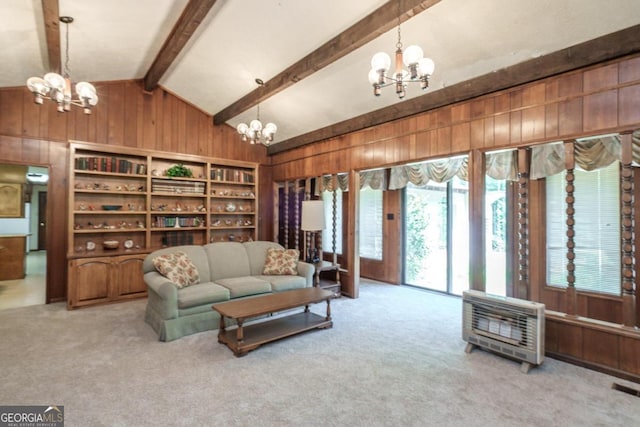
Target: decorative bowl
[
  {"x": 230, "y": 207},
  {"x": 111, "y": 244},
  {"x": 111, "y": 207}
]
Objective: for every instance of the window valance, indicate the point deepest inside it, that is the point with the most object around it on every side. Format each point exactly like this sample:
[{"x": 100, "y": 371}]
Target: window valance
[
  {"x": 333, "y": 182},
  {"x": 374, "y": 179},
  {"x": 589, "y": 154},
  {"x": 420, "y": 174},
  {"x": 502, "y": 165}
]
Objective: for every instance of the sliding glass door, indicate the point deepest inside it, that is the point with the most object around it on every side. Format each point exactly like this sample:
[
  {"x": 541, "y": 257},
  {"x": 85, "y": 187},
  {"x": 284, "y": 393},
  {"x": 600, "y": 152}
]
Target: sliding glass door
[{"x": 437, "y": 236}]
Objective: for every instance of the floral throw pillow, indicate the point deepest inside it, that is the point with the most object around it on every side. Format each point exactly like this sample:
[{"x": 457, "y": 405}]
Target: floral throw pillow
[
  {"x": 281, "y": 261},
  {"x": 178, "y": 268}
]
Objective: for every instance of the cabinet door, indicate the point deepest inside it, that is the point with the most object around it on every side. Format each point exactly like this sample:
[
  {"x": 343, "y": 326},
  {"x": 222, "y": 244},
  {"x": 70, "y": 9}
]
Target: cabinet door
[
  {"x": 128, "y": 276},
  {"x": 89, "y": 281}
]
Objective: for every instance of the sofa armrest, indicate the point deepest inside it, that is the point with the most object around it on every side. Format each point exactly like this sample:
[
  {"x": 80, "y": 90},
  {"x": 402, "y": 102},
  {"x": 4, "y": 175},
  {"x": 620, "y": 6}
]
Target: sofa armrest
[
  {"x": 306, "y": 270},
  {"x": 163, "y": 294}
]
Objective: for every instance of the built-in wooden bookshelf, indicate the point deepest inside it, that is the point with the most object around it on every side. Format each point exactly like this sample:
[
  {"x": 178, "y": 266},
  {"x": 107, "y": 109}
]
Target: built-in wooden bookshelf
[{"x": 123, "y": 204}]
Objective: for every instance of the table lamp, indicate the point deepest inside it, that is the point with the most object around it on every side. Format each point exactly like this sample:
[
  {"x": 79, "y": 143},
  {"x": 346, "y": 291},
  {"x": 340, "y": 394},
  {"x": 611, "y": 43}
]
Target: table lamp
[{"x": 312, "y": 222}]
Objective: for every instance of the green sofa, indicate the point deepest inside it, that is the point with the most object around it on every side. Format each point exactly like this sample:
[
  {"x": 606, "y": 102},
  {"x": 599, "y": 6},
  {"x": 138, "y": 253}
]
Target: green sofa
[{"x": 227, "y": 270}]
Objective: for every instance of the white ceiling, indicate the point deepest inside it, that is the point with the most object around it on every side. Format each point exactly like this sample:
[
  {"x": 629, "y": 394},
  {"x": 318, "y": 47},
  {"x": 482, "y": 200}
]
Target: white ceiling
[{"x": 241, "y": 40}]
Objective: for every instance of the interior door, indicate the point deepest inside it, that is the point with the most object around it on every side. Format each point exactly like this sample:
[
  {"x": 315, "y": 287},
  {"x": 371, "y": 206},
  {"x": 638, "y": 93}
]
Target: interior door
[{"x": 42, "y": 220}]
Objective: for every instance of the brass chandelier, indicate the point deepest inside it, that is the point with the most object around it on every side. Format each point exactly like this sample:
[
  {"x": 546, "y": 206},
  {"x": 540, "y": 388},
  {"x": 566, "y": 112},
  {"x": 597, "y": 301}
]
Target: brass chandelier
[
  {"x": 419, "y": 70},
  {"x": 254, "y": 132},
  {"x": 58, "y": 88}
]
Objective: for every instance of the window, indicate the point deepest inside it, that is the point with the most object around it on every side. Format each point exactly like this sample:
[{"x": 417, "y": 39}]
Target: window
[
  {"x": 371, "y": 223},
  {"x": 597, "y": 230},
  {"x": 495, "y": 231},
  {"x": 327, "y": 233}
]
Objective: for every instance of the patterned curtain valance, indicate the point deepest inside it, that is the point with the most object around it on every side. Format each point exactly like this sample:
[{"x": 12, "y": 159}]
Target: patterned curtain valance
[
  {"x": 590, "y": 154},
  {"x": 420, "y": 174},
  {"x": 374, "y": 179},
  {"x": 332, "y": 182},
  {"x": 502, "y": 165}
]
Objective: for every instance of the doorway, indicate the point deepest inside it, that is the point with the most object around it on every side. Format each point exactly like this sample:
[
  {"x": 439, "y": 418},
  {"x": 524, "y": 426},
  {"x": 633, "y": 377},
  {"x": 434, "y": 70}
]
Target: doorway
[{"x": 31, "y": 287}]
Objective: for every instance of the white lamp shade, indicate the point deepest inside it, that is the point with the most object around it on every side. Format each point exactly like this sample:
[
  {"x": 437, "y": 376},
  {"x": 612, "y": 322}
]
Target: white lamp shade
[
  {"x": 85, "y": 90},
  {"x": 412, "y": 55},
  {"x": 38, "y": 85},
  {"x": 312, "y": 215},
  {"x": 374, "y": 77},
  {"x": 380, "y": 61},
  {"x": 270, "y": 128},
  {"x": 255, "y": 125},
  {"x": 426, "y": 66},
  {"x": 242, "y": 128},
  {"x": 55, "y": 81}
]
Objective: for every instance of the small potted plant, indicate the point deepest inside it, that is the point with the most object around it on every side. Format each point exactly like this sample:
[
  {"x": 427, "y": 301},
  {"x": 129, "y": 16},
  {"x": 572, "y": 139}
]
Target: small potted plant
[{"x": 179, "y": 171}]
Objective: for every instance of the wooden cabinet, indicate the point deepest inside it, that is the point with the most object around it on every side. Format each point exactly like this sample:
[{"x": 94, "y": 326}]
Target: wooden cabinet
[
  {"x": 105, "y": 279},
  {"x": 125, "y": 203},
  {"x": 12, "y": 257}
]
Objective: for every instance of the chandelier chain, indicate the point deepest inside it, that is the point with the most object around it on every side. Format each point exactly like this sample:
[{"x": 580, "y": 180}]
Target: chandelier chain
[
  {"x": 66, "y": 53},
  {"x": 399, "y": 44}
]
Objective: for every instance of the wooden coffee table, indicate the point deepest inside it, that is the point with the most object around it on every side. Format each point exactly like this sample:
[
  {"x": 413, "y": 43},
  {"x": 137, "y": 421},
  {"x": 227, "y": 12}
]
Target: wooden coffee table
[{"x": 246, "y": 338}]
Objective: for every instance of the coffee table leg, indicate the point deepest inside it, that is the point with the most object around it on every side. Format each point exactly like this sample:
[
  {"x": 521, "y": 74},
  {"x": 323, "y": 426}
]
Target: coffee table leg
[
  {"x": 240, "y": 331},
  {"x": 221, "y": 329},
  {"x": 328, "y": 309}
]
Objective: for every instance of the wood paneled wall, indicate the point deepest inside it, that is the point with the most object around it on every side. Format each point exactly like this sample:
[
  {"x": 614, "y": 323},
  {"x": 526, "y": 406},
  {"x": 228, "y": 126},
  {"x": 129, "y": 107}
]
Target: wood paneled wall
[
  {"x": 591, "y": 101},
  {"x": 33, "y": 134}
]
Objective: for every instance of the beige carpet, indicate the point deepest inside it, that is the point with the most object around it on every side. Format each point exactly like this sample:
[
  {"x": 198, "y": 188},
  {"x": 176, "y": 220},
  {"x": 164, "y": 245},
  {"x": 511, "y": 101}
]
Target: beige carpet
[{"x": 393, "y": 358}]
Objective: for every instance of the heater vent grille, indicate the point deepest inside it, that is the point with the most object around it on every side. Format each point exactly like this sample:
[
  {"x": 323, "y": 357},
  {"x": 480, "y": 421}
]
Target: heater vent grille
[{"x": 508, "y": 326}]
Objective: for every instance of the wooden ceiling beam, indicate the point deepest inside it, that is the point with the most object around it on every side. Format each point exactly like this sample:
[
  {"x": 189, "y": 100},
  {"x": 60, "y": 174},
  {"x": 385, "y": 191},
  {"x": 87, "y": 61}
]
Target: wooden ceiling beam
[
  {"x": 370, "y": 27},
  {"x": 605, "y": 48},
  {"x": 51, "y": 15},
  {"x": 192, "y": 16}
]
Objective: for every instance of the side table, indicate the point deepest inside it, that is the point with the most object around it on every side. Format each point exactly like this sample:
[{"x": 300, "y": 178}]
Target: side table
[{"x": 333, "y": 282}]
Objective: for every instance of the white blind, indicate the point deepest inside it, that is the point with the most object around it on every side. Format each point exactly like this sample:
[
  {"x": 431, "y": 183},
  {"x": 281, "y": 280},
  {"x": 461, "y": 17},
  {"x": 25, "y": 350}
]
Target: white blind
[
  {"x": 371, "y": 223},
  {"x": 597, "y": 230}
]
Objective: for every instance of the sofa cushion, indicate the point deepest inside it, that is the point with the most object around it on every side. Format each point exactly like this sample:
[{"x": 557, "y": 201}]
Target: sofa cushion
[
  {"x": 196, "y": 254},
  {"x": 202, "y": 293},
  {"x": 245, "y": 286},
  {"x": 257, "y": 252},
  {"x": 227, "y": 259},
  {"x": 285, "y": 283},
  {"x": 178, "y": 268},
  {"x": 281, "y": 261}
]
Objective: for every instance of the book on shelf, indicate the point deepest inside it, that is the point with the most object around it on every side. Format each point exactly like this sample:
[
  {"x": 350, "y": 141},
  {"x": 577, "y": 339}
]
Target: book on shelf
[
  {"x": 232, "y": 175},
  {"x": 109, "y": 164}
]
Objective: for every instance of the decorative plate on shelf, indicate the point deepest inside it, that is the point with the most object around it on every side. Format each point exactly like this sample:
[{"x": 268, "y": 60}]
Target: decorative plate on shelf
[
  {"x": 230, "y": 207},
  {"x": 90, "y": 245},
  {"x": 128, "y": 243}
]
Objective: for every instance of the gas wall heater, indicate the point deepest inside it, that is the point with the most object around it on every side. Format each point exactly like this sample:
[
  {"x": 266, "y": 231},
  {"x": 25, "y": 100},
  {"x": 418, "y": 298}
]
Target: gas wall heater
[{"x": 508, "y": 326}]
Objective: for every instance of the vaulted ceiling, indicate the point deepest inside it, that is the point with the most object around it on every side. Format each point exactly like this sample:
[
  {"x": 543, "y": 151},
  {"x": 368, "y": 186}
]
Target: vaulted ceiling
[{"x": 314, "y": 56}]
